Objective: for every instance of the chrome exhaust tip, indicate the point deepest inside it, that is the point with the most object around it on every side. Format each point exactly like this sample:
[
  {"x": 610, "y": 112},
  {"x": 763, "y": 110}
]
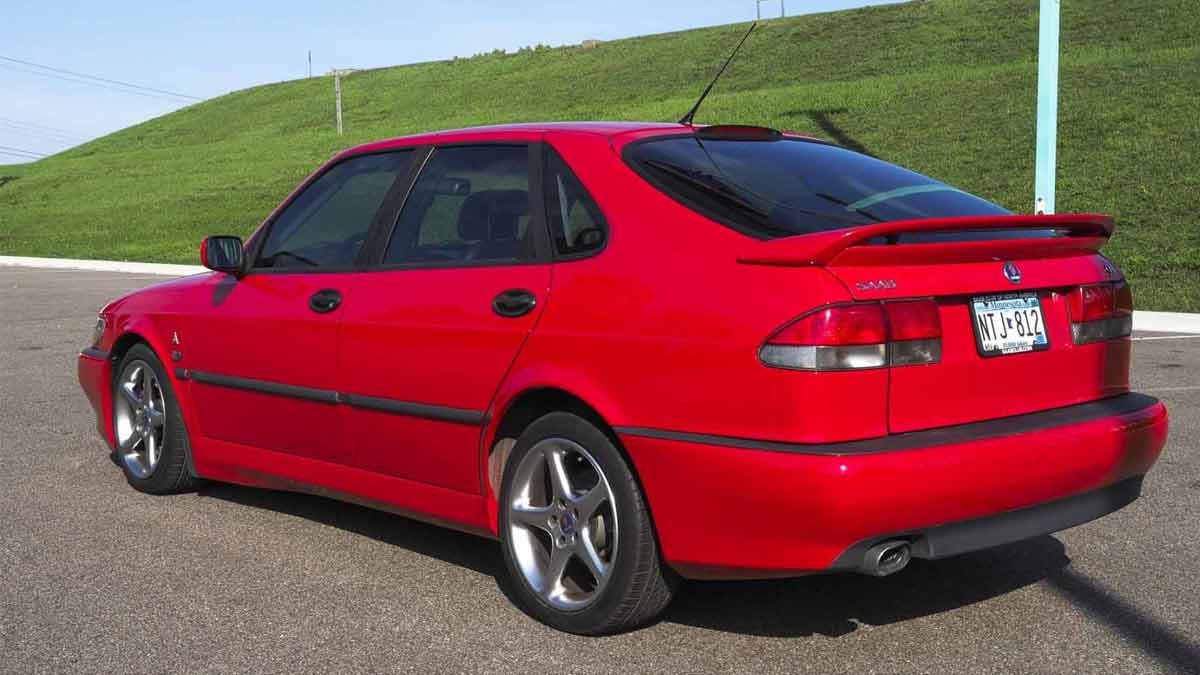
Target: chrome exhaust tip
[{"x": 886, "y": 558}]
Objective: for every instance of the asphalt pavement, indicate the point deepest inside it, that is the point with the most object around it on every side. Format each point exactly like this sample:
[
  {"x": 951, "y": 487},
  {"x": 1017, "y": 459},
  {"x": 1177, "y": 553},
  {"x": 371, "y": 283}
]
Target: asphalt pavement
[{"x": 95, "y": 577}]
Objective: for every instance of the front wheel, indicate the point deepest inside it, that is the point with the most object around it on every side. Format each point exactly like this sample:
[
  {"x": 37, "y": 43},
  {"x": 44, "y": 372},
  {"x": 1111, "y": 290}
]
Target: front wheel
[
  {"x": 578, "y": 541},
  {"x": 152, "y": 443}
]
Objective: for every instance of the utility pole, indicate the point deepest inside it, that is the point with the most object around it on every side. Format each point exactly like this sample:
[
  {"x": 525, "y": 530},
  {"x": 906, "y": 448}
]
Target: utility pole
[
  {"x": 781, "y": 12},
  {"x": 1047, "y": 107},
  {"x": 310, "y": 64},
  {"x": 337, "y": 96},
  {"x": 758, "y": 8}
]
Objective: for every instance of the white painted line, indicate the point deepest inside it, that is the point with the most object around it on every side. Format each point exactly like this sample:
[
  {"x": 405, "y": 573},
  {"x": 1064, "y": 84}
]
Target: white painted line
[
  {"x": 1168, "y": 337},
  {"x": 157, "y": 269},
  {"x": 1166, "y": 322}
]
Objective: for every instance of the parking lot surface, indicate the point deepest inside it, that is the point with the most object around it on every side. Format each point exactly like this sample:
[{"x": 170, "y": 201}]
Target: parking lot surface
[{"x": 95, "y": 577}]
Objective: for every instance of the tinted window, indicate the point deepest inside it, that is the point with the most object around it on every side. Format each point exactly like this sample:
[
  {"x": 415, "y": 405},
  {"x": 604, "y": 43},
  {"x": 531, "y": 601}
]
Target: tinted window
[
  {"x": 777, "y": 188},
  {"x": 326, "y": 225},
  {"x": 576, "y": 224},
  {"x": 470, "y": 204}
]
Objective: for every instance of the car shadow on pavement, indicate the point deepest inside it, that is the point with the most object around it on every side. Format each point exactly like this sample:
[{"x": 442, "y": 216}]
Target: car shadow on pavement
[
  {"x": 457, "y": 548},
  {"x": 830, "y": 605},
  {"x": 837, "y": 604}
]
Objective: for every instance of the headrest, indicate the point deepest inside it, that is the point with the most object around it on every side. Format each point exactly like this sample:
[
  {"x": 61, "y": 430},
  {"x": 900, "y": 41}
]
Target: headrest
[{"x": 492, "y": 215}]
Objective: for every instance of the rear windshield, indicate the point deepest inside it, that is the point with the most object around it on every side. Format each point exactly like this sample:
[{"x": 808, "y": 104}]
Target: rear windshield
[{"x": 783, "y": 187}]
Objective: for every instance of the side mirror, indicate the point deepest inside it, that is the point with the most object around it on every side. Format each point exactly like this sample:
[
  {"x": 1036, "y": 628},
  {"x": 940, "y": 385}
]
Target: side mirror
[{"x": 222, "y": 254}]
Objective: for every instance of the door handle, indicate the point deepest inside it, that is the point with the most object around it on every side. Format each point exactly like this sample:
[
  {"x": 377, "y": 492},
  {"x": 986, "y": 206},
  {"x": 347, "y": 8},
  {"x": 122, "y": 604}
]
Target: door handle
[
  {"x": 514, "y": 302},
  {"x": 324, "y": 301}
]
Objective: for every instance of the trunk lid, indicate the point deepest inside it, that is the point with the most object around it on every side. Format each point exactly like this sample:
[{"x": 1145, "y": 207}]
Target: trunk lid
[{"x": 956, "y": 261}]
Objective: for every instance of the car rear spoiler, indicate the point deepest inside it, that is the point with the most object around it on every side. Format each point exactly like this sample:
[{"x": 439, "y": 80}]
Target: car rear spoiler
[{"x": 876, "y": 244}]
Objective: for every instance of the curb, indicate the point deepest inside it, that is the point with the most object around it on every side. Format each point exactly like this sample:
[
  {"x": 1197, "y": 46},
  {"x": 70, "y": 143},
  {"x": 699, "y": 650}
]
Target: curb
[
  {"x": 158, "y": 269},
  {"x": 1159, "y": 322},
  {"x": 1166, "y": 322}
]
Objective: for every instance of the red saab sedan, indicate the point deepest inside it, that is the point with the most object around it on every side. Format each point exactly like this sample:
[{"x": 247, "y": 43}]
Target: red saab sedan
[{"x": 635, "y": 353}]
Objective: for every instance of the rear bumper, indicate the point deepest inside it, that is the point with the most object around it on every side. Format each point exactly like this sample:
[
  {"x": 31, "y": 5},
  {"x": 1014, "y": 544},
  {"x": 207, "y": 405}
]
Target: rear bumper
[
  {"x": 730, "y": 508},
  {"x": 95, "y": 377}
]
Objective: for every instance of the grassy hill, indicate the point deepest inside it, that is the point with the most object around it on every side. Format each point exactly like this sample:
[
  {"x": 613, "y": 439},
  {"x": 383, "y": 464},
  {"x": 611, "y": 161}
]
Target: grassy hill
[{"x": 945, "y": 87}]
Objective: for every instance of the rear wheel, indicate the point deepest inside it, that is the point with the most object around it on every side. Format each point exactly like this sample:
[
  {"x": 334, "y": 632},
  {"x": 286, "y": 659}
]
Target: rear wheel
[
  {"x": 152, "y": 444},
  {"x": 578, "y": 541}
]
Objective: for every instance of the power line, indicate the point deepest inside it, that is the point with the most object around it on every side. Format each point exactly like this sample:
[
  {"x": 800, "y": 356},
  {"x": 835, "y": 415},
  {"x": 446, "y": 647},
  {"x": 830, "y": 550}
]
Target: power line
[
  {"x": 36, "y": 125},
  {"x": 18, "y": 151},
  {"x": 99, "y": 79},
  {"x": 89, "y": 82},
  {"x": 13, "y": 154},
  {"x": 5, "y": 127}
]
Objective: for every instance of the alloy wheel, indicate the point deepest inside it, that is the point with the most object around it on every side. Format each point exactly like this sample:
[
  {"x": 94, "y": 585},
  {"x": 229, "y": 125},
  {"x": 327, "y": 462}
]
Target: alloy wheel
[
  {"x": 562, "y": 523},
  {"x": 141, "y": 419}
]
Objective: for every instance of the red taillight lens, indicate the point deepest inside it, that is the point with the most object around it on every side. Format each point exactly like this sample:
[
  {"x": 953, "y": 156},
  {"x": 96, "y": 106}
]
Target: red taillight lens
[
  {"x": 1089, "y": 303},
  {"x": 838, "y": 325},
  {"x": 1123, "y": 303},
  {"x": 915, "y": 332},
  {"x": 864, "y": 335},
  {"x": 1101, "y": 312},
  {"x": 913, "y": 320}
]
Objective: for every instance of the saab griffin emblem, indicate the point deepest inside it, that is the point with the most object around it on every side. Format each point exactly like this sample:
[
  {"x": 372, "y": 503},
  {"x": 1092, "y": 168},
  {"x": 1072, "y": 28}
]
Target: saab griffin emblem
[
  {"x": 875, "y": 285},
  {"x": 1012, "y": 273}
]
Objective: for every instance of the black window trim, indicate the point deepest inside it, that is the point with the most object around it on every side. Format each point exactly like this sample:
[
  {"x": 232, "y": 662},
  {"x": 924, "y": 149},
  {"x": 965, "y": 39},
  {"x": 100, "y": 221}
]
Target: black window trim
[
  {"x": 254, "y": 246},
  {"x": 537, "y": 214},
  {"x": 546, "y": 197}
]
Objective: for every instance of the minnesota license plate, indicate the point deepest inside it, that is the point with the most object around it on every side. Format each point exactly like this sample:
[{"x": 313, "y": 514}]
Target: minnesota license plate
[{"x": 1008, "y": 324}]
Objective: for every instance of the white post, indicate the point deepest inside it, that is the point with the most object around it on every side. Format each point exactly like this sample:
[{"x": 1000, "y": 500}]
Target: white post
[
  {"x": 337, "y": 95},
  {"x": 1047, "y": 107}
]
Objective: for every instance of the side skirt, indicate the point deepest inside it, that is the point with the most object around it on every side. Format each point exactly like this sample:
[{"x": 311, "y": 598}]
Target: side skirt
[{"x": 255, "y": 467}]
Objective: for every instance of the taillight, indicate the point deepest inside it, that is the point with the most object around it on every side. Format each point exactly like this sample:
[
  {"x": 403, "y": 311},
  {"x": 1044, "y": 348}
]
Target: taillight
[
  {"x": 1101, "y": 312},
  {"x": 855, "y": 336},
  {"x": 914, "y": 331}
]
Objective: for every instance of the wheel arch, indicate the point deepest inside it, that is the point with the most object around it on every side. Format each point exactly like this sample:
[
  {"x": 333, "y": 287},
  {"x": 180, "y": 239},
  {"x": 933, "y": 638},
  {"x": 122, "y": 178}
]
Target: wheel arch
[
  {"x": 517, "y": 413},
  {"x": 133, "y": 333}
]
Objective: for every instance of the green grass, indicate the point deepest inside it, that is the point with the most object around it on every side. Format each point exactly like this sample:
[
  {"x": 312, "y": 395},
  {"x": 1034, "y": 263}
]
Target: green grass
[{"x": 946, "y": 87}]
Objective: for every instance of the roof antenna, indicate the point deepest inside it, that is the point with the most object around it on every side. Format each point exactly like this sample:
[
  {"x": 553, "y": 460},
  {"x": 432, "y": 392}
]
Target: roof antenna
[{"x": 687, "y": 119}]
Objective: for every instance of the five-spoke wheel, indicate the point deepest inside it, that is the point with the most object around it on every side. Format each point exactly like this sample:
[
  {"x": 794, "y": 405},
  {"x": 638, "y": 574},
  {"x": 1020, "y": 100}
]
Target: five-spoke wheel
[
  {"x": 141, "y": 418},
  {"x": 562, "y": 524},
  {"x": 578, "y": 541},
  {"x": 152, "y": 443}
]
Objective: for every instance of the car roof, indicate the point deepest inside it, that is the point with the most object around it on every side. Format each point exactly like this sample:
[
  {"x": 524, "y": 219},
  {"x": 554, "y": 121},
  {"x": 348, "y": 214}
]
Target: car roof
[
  {"x": 619, "y": 132},
  {"x": 517, "y": 131}
]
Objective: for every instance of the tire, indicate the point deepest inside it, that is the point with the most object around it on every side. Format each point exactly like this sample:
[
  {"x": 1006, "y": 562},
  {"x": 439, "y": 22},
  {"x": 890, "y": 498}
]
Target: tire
[
  {"x": 158, "y": 463},
  {"x": 605, "y": 519}
]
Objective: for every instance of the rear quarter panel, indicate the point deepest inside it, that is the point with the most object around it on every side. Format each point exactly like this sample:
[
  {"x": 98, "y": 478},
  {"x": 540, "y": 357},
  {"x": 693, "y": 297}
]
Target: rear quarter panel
[{"x": 662, "y": 328}]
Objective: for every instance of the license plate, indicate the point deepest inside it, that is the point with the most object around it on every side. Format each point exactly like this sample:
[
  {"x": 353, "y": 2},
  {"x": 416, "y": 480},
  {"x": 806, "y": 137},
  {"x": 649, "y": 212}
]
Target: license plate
[{"x": 1009, "y": 324}]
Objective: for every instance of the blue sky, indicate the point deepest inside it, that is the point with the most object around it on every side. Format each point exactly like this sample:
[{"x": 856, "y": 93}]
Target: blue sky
[{"x": 209, "y": 48}]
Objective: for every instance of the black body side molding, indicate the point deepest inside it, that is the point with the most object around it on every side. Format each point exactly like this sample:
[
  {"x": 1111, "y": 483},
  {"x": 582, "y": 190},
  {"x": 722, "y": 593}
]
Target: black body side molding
[{"x": 959, "y": 433}]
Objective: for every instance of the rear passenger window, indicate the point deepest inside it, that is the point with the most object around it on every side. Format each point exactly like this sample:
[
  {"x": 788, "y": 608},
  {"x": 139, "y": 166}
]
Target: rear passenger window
[
  {"x": 327, "y": 223},
  {"x": 576, "y": 224},
  {"x": 471, "y": 203}
]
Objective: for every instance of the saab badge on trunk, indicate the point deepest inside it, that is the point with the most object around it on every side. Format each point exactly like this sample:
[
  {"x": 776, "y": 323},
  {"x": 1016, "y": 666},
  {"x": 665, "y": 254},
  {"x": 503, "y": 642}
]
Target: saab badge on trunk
[
  {"x": 1012, "y": 272},
  {"x": 875, "y": 285}
]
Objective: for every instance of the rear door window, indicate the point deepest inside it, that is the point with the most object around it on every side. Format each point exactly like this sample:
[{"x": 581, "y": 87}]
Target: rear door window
[
  {"x": 780, "y": 187},
  {"x": 470, "y": 204},
  {"x": 326, "y": 225}
]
